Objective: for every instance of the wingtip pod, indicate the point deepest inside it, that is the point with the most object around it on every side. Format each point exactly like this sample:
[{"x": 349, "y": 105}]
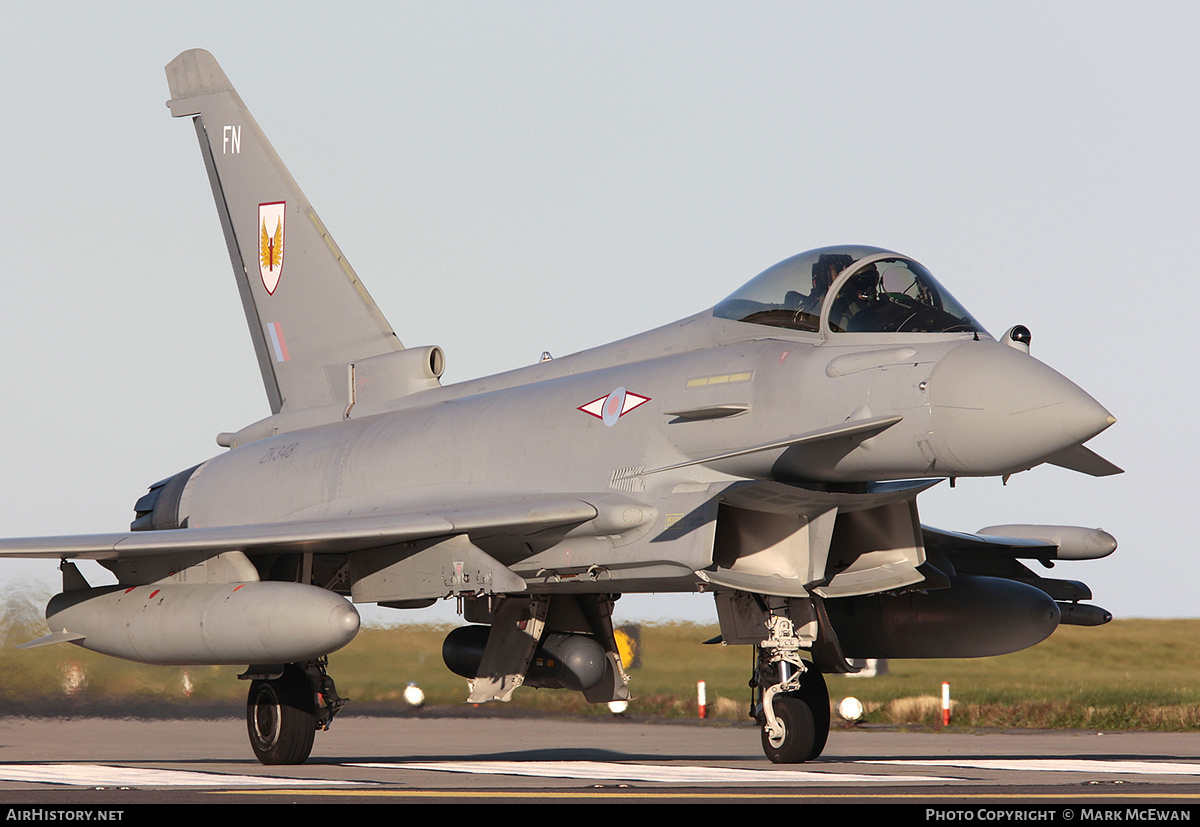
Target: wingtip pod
[{"x": 192, "y": 74}]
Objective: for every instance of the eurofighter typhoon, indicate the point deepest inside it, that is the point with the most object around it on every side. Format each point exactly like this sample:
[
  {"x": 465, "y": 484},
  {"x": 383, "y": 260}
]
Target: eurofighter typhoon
[{"x": 767, "y": 451}]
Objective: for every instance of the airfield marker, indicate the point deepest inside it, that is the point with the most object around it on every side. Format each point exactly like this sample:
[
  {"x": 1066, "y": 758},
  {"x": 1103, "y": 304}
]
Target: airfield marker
[
  {"x": 945, "y": 703},
  {"x": 413, "y": 694},
  {"x": 701, "y": 700},
  {"x": 851, "y": 709}
]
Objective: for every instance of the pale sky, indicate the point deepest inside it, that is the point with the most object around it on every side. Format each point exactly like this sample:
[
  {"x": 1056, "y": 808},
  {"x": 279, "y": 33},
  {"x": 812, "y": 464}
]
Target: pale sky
[{"x": 509, "y": 178}]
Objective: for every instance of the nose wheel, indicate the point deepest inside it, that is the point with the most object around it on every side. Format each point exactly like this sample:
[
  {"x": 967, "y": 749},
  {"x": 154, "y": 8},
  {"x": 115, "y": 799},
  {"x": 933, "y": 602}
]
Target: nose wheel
[
  {"x": 802, "y": 722},
  {"x": 795, "y": 733}
]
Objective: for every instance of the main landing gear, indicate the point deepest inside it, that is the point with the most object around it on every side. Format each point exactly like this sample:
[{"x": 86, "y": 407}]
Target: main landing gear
[
  {"x": 284, "y": 710},
  {"x": 791, "y": 700}
]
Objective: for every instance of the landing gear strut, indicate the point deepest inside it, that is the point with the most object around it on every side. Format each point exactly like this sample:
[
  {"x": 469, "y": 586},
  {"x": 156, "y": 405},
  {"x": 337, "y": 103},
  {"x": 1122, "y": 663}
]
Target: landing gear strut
[
  {"x": 284, "y": 713},
  {"x": 791, "y": 700}
]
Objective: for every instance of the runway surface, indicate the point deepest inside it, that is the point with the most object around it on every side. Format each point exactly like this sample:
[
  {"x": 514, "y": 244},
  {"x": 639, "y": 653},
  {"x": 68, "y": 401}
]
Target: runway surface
[{"x": 105, "y": 763}]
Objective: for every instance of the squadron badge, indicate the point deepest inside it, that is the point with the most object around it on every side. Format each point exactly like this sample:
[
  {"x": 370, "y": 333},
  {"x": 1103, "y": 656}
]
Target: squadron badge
[{"x": 270, "y": 245}]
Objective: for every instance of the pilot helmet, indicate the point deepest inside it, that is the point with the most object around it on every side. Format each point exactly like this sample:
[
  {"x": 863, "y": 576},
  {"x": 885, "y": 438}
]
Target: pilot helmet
[{"x": 826, "y": 269}]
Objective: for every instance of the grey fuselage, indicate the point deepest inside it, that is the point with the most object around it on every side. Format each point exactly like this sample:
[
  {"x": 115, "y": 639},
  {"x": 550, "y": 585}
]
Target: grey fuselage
[{"x": 524, "y": 432}]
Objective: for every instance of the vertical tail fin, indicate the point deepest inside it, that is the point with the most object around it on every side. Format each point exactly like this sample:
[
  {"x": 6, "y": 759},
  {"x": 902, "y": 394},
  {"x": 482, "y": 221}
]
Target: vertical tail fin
[{"x": 308, "y": 313}]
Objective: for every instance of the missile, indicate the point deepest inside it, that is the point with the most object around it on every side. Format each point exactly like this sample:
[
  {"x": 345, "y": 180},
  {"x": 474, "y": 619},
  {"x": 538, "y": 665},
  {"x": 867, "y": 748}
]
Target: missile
[
  {"x": 204, "y": 624},
  {"x": 1074, "y": 542},
  {"x": 1083, "y": 614}
]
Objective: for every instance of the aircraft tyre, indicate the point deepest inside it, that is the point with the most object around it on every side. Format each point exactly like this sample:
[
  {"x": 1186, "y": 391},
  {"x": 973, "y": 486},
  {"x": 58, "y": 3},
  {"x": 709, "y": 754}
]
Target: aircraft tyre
[
  {"x": 281, "y": 718},
  {"x": 805, "y": 717},
  {"x": 795, "y": 744},
  {"x": 815, "y": 695}
]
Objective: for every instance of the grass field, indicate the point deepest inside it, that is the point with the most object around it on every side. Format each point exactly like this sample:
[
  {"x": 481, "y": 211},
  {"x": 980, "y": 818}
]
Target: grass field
[{"x": 1130, "y": 674}]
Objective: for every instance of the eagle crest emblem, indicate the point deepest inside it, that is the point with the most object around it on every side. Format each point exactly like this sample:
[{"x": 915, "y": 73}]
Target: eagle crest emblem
[{"x": 270, "y": 245}]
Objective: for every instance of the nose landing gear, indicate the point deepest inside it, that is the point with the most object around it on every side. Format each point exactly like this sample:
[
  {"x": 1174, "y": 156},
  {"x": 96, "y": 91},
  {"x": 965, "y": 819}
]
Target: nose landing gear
[
  {"x": 803, "y": 722},
  {"x": 791, "y": 701}
]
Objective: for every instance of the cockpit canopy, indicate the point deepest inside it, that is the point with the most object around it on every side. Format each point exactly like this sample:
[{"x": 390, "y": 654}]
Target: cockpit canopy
[{"x": 872, "y": 290}]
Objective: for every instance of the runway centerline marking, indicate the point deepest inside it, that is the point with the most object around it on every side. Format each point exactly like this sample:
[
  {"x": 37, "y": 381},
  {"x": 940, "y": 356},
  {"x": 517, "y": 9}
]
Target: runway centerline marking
[
  {"x": 1090, "y": 765},
  {"x": 99, "y": 775},
  {"x": 610, "y": 771}
]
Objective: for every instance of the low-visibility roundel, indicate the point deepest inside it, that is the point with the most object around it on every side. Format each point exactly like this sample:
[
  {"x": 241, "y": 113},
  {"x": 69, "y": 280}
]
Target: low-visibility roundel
[{"x": 614, "y": 406}]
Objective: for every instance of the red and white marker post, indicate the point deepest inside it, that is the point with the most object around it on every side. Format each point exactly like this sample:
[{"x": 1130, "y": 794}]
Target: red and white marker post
[
  {"x": 945, "y": 703},
  {"x": 701, "y": 700}
]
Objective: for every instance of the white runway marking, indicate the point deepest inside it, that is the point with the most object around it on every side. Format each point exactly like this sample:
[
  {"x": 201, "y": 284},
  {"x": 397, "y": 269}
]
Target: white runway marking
[
  {"x": 97, "y": 775},
  {"x": 608, "y": 771},
  {"x": 1091, "y": 765}
]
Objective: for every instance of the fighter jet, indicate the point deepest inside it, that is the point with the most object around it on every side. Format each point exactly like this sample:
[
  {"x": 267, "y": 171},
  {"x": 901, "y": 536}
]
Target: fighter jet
[{"x": 768, "y": 451}]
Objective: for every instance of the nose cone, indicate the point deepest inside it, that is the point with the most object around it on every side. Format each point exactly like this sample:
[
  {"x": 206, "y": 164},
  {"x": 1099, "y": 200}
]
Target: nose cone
[{"x": 996, "y": 410}]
